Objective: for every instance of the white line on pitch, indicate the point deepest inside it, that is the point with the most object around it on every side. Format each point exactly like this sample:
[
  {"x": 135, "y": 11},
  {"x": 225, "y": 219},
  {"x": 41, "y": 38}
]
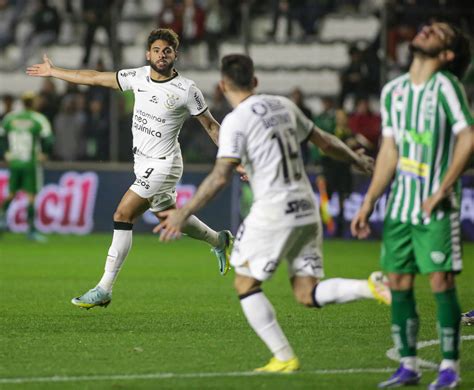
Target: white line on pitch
[{"x": 170, "y": 375}]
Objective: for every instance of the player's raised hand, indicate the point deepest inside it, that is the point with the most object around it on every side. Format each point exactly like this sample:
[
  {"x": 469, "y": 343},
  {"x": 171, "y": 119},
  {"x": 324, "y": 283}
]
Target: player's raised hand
[
  {"x": 170, "y": 226},
  {"x": 41, "y": 70},
  {"x": 360, "y": 224},
  {"x": 365, "y": 163}
]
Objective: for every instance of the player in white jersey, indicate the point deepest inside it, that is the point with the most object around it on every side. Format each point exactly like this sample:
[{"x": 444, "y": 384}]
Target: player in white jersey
[
  {"x": 264, "y": 132},
  {"x": 163, "y": 100}
]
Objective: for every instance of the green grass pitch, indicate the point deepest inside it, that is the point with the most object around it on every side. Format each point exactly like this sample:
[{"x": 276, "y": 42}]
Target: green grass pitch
[{"x": 175, "y": 323}]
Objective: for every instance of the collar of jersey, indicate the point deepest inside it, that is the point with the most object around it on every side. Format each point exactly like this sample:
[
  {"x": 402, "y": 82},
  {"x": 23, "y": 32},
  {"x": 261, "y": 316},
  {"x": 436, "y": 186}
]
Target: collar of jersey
[{"x": 165, "y": 81}]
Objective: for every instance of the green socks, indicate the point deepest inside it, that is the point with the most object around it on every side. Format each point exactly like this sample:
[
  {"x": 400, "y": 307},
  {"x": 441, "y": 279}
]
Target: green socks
[
  {"x": 449, "y": 318},
  {"x": 405, "y": 322}
]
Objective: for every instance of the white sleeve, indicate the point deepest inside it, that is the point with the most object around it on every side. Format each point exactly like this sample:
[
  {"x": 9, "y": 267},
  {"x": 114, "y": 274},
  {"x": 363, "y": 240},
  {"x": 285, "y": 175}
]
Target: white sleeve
[
  {"x": 126, "y": 78},
  {"x": 231, "y": 139},
  {"x": 45, "y": 125},
  {"x": 196, "y": 103},
  {"x": 304, "y": 125},
  {"x": 385, "y": 106}
]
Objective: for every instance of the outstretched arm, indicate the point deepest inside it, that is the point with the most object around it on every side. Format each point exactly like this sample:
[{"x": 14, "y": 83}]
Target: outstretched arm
[
  {"x": 210, "y": 125},
  {"x": 174, "y": 219},
  {"x": 335, "y": 148},
  {"x": 86, "y": 77}
]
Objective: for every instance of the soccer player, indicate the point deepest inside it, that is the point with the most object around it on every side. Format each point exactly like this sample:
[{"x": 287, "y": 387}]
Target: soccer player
[
  {"x": 426, "y": 144},
  {"x": 163, "y": 100},
  {"x": 28, "y": 138},
  {"x": 264, "y": 133}
]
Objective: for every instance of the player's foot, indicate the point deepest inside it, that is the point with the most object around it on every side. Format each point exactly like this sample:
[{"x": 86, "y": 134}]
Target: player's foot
[
  {"x": 276, "y": 365},
  {"x": 222, "y": 251},
  {"x": 468, "y": 318},
  {"x": 37, "y": 237},
  {"x": 95, "y": 297},
  {"x": 402, "y": 377},
  {"x": 447, "y": 379},
  {"x": 378, "y": 284}
]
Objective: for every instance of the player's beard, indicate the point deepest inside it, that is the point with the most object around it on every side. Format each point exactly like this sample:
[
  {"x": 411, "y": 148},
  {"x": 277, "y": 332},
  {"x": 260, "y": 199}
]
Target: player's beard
[
  {"x": 163, "y": 71},
  {"x": 431, "y": 53}
]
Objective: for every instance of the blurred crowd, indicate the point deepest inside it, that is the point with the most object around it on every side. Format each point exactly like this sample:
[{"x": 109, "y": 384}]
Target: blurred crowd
[{"x": 81, "y": 117}]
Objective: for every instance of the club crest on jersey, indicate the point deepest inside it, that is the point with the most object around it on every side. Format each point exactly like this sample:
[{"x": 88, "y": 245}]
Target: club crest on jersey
[{"x": 171, "y": 101}]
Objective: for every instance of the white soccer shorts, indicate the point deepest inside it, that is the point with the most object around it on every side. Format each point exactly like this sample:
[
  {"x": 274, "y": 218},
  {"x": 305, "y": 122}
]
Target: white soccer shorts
[
  {"x": 258, "y": 252},
  {"x": 156, "y": 180}
]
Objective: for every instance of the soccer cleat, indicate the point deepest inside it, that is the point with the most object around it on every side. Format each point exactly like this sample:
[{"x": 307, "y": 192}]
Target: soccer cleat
[
  {"x": 222, "y": 251},
  {"x": 37, "y": 237},
  {"x": 402, "y": 377},
  {"x": 94, "y": 297},
  {"x": 468, "y": 318},
  {"x": 276, "y": 365},
  {"x": 447, "y": 379},
  {"x": 378, "y": 285}
]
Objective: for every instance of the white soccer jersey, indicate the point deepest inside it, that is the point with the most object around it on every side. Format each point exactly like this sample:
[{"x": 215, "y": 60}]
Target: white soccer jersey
[
  {"x": 264, "y": 132},
  {"x": 160, "y": 109}
]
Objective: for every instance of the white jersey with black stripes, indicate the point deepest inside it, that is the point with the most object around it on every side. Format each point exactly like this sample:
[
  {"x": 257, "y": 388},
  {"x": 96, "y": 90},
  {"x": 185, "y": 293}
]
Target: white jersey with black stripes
[{"x": 160, "y": 109}]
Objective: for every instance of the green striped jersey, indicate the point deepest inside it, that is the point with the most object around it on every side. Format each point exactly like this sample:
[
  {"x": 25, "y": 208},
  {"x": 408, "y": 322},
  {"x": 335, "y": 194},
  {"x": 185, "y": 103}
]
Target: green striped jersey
[
  {"x": 24, "y": 131},
  {"x": 423, "y": 120}
]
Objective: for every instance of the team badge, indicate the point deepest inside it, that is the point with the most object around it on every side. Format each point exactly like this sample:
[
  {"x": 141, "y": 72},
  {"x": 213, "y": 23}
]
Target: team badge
[{"x": 171, "y": 101}]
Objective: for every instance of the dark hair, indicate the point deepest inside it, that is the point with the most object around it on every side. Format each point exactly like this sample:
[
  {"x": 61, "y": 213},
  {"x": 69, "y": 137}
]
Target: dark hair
[
  {"x": 462, "y": 53},
  {"x": 164, "y": 34},
  {"x": 239, "y": 69}
]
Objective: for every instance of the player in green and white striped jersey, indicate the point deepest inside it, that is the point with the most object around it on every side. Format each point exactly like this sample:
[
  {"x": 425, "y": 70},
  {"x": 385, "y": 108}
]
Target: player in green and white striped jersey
[
  {"x": 426, "y": 144},
  {"x": 28, "y": 136}
]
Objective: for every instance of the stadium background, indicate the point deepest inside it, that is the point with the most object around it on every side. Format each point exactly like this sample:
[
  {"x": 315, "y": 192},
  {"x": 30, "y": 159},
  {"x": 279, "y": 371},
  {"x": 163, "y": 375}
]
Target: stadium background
[
  {"x": 337, "y": 50},
  {"x": 174, "y": 322}
]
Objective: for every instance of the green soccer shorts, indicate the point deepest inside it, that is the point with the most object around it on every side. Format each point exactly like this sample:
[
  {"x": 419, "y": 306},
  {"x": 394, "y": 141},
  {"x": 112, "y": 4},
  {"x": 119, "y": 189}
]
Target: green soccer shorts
[
  {"x": 422, "y": 248},
  {"x": 26, "y": 178}
]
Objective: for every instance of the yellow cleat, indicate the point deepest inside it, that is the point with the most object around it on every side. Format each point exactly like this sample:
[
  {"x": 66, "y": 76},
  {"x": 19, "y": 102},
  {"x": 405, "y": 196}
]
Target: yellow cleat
[
  {"x": 378, "y": 285},
  {"x": 275, "y": 365}
]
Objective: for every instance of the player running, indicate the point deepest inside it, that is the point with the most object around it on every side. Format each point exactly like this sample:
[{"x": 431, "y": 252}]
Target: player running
[
  {"x": 427, "y": 142},
  {"x": 163, "y": 100},
  {"x": 264, "y": 133},
  {"x": 28, "y": 138}
]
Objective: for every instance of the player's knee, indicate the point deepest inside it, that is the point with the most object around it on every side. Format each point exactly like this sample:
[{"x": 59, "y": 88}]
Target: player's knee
[
  {"x": 121, "y": 215},
  {"x": 244, "y": 285}
]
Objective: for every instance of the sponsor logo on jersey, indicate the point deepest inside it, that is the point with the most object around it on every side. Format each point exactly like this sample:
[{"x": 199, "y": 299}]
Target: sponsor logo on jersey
[
  {"x": 178, "y": 85},
  {"x": 171, "y": 101},
  {"x": 154, "y": 99},
  {"x": 141, "y": 90},
  {"x": 199, "y": 103},
  {"x": 296, "y": 206},
  {"x": 276, "y": 119},
  {"x": 127, "y": 73}
]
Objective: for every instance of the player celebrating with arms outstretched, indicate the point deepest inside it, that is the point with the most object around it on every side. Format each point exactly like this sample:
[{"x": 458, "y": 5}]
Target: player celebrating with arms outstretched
[
  {"x": 427, "y": 142},
  {"x": 163, "y": 100}
]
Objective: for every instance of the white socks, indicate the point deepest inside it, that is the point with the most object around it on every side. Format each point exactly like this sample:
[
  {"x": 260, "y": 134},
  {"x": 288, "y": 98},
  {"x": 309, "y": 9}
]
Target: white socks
[
  {"x": 200, "y": 231},
  {"x": 338, "y": 290},
  {"x": 410, "y": 362},
  {"x": 118, "y": 251},
  {"x": 261, "y": 317}
]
